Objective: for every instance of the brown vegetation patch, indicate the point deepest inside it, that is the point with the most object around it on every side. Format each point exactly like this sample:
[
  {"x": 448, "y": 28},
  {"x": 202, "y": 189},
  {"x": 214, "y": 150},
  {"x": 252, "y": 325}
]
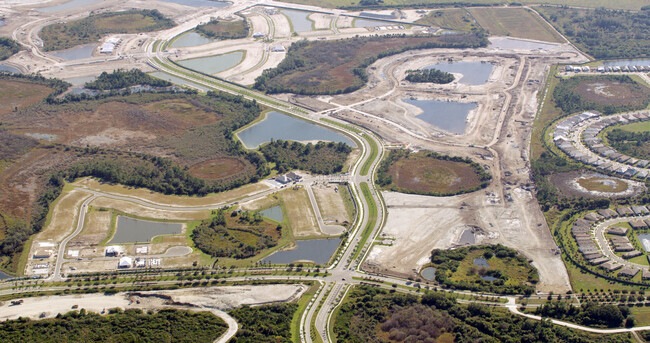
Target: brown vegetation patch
[
  {"x": 218, "y": 168},
  {"x": 603, "y": 184},
  {"x": 16, "y": 94},
  {"x": 430, "y": 175},
  {"x": 610, "y": 92}
]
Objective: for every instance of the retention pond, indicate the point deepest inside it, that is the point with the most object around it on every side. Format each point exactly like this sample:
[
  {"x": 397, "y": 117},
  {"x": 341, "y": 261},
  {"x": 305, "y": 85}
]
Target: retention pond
[
  {"x": 76, "y": 53},
  {"x": 190, "y": 39},
  {"x": 214, "y": 64},
  {"x": 131, "y": 230},
  {"x": 299, "y": 19},
  {"x": 448, "y": 115},
  {"x": 280, "y": 126},
  {"x": 318, "y": 251},
  {"x": 474, "y": 73}
]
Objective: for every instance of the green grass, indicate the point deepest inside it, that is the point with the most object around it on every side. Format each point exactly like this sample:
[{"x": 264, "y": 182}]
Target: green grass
[
  {"x": 516, "y": 22},
  {"x": 347, "y": 127},
  {"x": 374, "y": 150},
  {"x": 302, "y": 305},
  {"x": 457, "y": 19},
  {"x": 372, "y": 219}
]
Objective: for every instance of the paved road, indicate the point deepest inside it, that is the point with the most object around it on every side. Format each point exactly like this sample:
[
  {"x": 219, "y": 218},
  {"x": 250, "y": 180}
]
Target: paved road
[{"x": 56, "y": 276}]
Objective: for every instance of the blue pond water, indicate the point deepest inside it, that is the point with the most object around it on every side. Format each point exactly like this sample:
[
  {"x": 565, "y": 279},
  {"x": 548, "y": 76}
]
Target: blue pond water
[
  {"x": 191, "y": 39},
  {"x": 199, "y": 3},
  {"x": 177, "y": 80},
  {"x": 481, "y": 262},
  {"x": 474, "y": 73},
  {"x": 428, "y": 273},
  {"x": 642, "y": 62},
  {"x": 298, "y": 20},
  {"x": 447, "y": 115},
  {"x": 67, "y": 5},
  {"x": 318, "y": 251},
  {"x": 274, "y": 213},
  {"x": 280, "y": 126},
  {"x": 9, "y": 69},
  {"x": 214, "y": 64},
  {"x": 76, "y": 53}
]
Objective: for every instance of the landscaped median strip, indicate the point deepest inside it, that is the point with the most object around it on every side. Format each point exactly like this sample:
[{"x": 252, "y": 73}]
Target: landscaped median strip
[
  {"x": 372, "y": 219},
  {"x": 373, "y": 155}
]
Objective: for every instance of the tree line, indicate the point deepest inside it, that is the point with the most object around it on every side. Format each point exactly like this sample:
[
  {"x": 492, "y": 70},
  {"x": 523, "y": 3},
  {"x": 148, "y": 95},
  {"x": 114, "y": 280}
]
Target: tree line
[
  {"x": 224, "y": 29},
  {"x": 320, "y": 158},
  {"x": 264, "y": 324},
  {"x": 120, "y": 79},
  {"x": 8, "y": 47},
  {"x": 429, "y": 76}
]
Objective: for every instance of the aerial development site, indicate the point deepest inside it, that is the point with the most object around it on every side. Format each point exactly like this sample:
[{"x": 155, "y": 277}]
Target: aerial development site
[{"x": 373, "y": 171}]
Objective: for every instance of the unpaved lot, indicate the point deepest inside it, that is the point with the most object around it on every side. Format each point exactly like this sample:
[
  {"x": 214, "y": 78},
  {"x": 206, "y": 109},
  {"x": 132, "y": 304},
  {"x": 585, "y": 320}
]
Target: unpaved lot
[{"x": 330, "y": 203}]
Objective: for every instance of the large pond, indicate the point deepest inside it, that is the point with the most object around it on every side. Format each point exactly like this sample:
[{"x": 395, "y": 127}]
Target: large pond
[
  {"x": 131, "y": 230},
  {"x": 644, "y": 238},
  {"x": 447, "y": 115},
  {"x": 191, "y": 39},
  {"x": 428, "y": 273},
  {"x": 10, "y": 69},
  {"x": 67, "y": 5},
  {"x": 274, "y": 213},
  {"x": 280, "y": 126},
  {"x": 370, "y": 23},
  {"x": 621, "y": 63},
  {"x": 177, "y": 80},
  {"x": 518, "y": 44},
  {"x": 199, "y": 3},
  {"x": 481, "y": 262},
  {"x": 76, "y": 53},
  {"x": 298, "y": 20},
  {"x": 214, "y": 64},
  {"x": 474, "y": 73},
  {"x": 318, "y": 251}
]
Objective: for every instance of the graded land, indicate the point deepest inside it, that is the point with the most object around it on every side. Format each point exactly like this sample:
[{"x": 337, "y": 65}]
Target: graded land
[
  {"x": 514, "y": 22},
  {"x": 457, "y": 19},
  {"x": 91, "y": 29},
  {"x": 357, "y": 4}
]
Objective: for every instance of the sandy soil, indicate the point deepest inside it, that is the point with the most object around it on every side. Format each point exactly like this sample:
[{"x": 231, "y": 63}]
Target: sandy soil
[
  {"x": 330, "y": 204},
  {"x": 281, "y": 25},
  {"x": 321, "y": 21},
  {"x": 301, "y": 217},
  {"x": 148, "y": 212},
  {"x": 224, "y": 298}
]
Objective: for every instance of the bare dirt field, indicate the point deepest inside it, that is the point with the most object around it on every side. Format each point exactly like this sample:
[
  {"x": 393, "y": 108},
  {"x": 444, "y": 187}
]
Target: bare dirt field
[
  {"x": 594, "y": 185},
  {"x": 331, "y": 204},
  {"x": 64, "y": 216},
  {"x": 301, "y": 217},
  {"x": 148, "y": 212}
]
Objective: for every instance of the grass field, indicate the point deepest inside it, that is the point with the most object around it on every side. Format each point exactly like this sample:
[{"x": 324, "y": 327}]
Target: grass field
[
  {"x": 372, "y": 219},
  {"x": 224, "y": 29},
  {"x": 622, "y": 4},
  {"x": 374, "y": 150},
  {"x": 140, "y": 211},
  {"x": 91, "y": 29},
  {"x": 457, "y": 19},
  {"x": 606, "y": 91},
  {"x": 16, "y": 94},
  {"x": 515, "y": 272},
  {"x": 63, "y": 216},
  {"x": 643, "y": 126},
  {"x": 420, "y": 174},
  {"x": 300, "y": 213},
  {"x": 515, "y": 22},
  {"x": 218, "y": 168}
]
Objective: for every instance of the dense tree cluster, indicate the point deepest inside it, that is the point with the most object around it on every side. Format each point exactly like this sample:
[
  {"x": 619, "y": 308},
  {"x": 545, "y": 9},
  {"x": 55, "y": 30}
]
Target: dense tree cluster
[
  {"x": 589, "y": 313},
  {"x": 88, "y": 30},
  {"x": 630, "y": 143},
  {"x": 239, "y": 235},
  {"x": 447, "y": 263},
  {"x": 118, "y": 326},
  {"x": 224, "y": 29},
  {"x": 372, "y": 315},
  {"x": 264, "y": 324},
  {"x": 321, "y": 158},
  {"x": 567, "y": 97},
  {"x": 8, "y": 47},
  {"x": 429, "y": 76},
  {"x": 339, "y": 66},
  {"x": 120, "y": 79},
  {"x": 603, "y": 33}
]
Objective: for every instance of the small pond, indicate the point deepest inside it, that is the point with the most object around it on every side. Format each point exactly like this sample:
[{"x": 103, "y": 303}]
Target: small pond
[
  {"x": 519, "y": 44},
  {"x": 131, "y": 230},
  {"x": 474, "y": 73},
  {"x": 447, "y": 115},
  {"x": 177, "y": 80},
  {"x": 318, "y": 251},
  {"x": 280, "y": 126},
  {"x": 274, "y": 213},
  {"x": 76, "y": 53},
  {"x": 214, "y": 64},
  {"x": 10, "y": 69},
  {"x": 4, "y": 276},
  {"x": 199, "y": 3},
  {"x": 428, "y": 273},
  {"x": 191, "y": 39},
  {"x": 489, "y": 278},
  {"x": 644, "y": 238},
  {"x": 481, "y": 262},
  {"x": 3, "y": 22},
  {"x": 298, "y": 19},
  {"x": 67, "y": 5},
  {"x": 467, "y": 237},
  {"x": 621, "y": 63},
  {"x": 370, "y": 23}
]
